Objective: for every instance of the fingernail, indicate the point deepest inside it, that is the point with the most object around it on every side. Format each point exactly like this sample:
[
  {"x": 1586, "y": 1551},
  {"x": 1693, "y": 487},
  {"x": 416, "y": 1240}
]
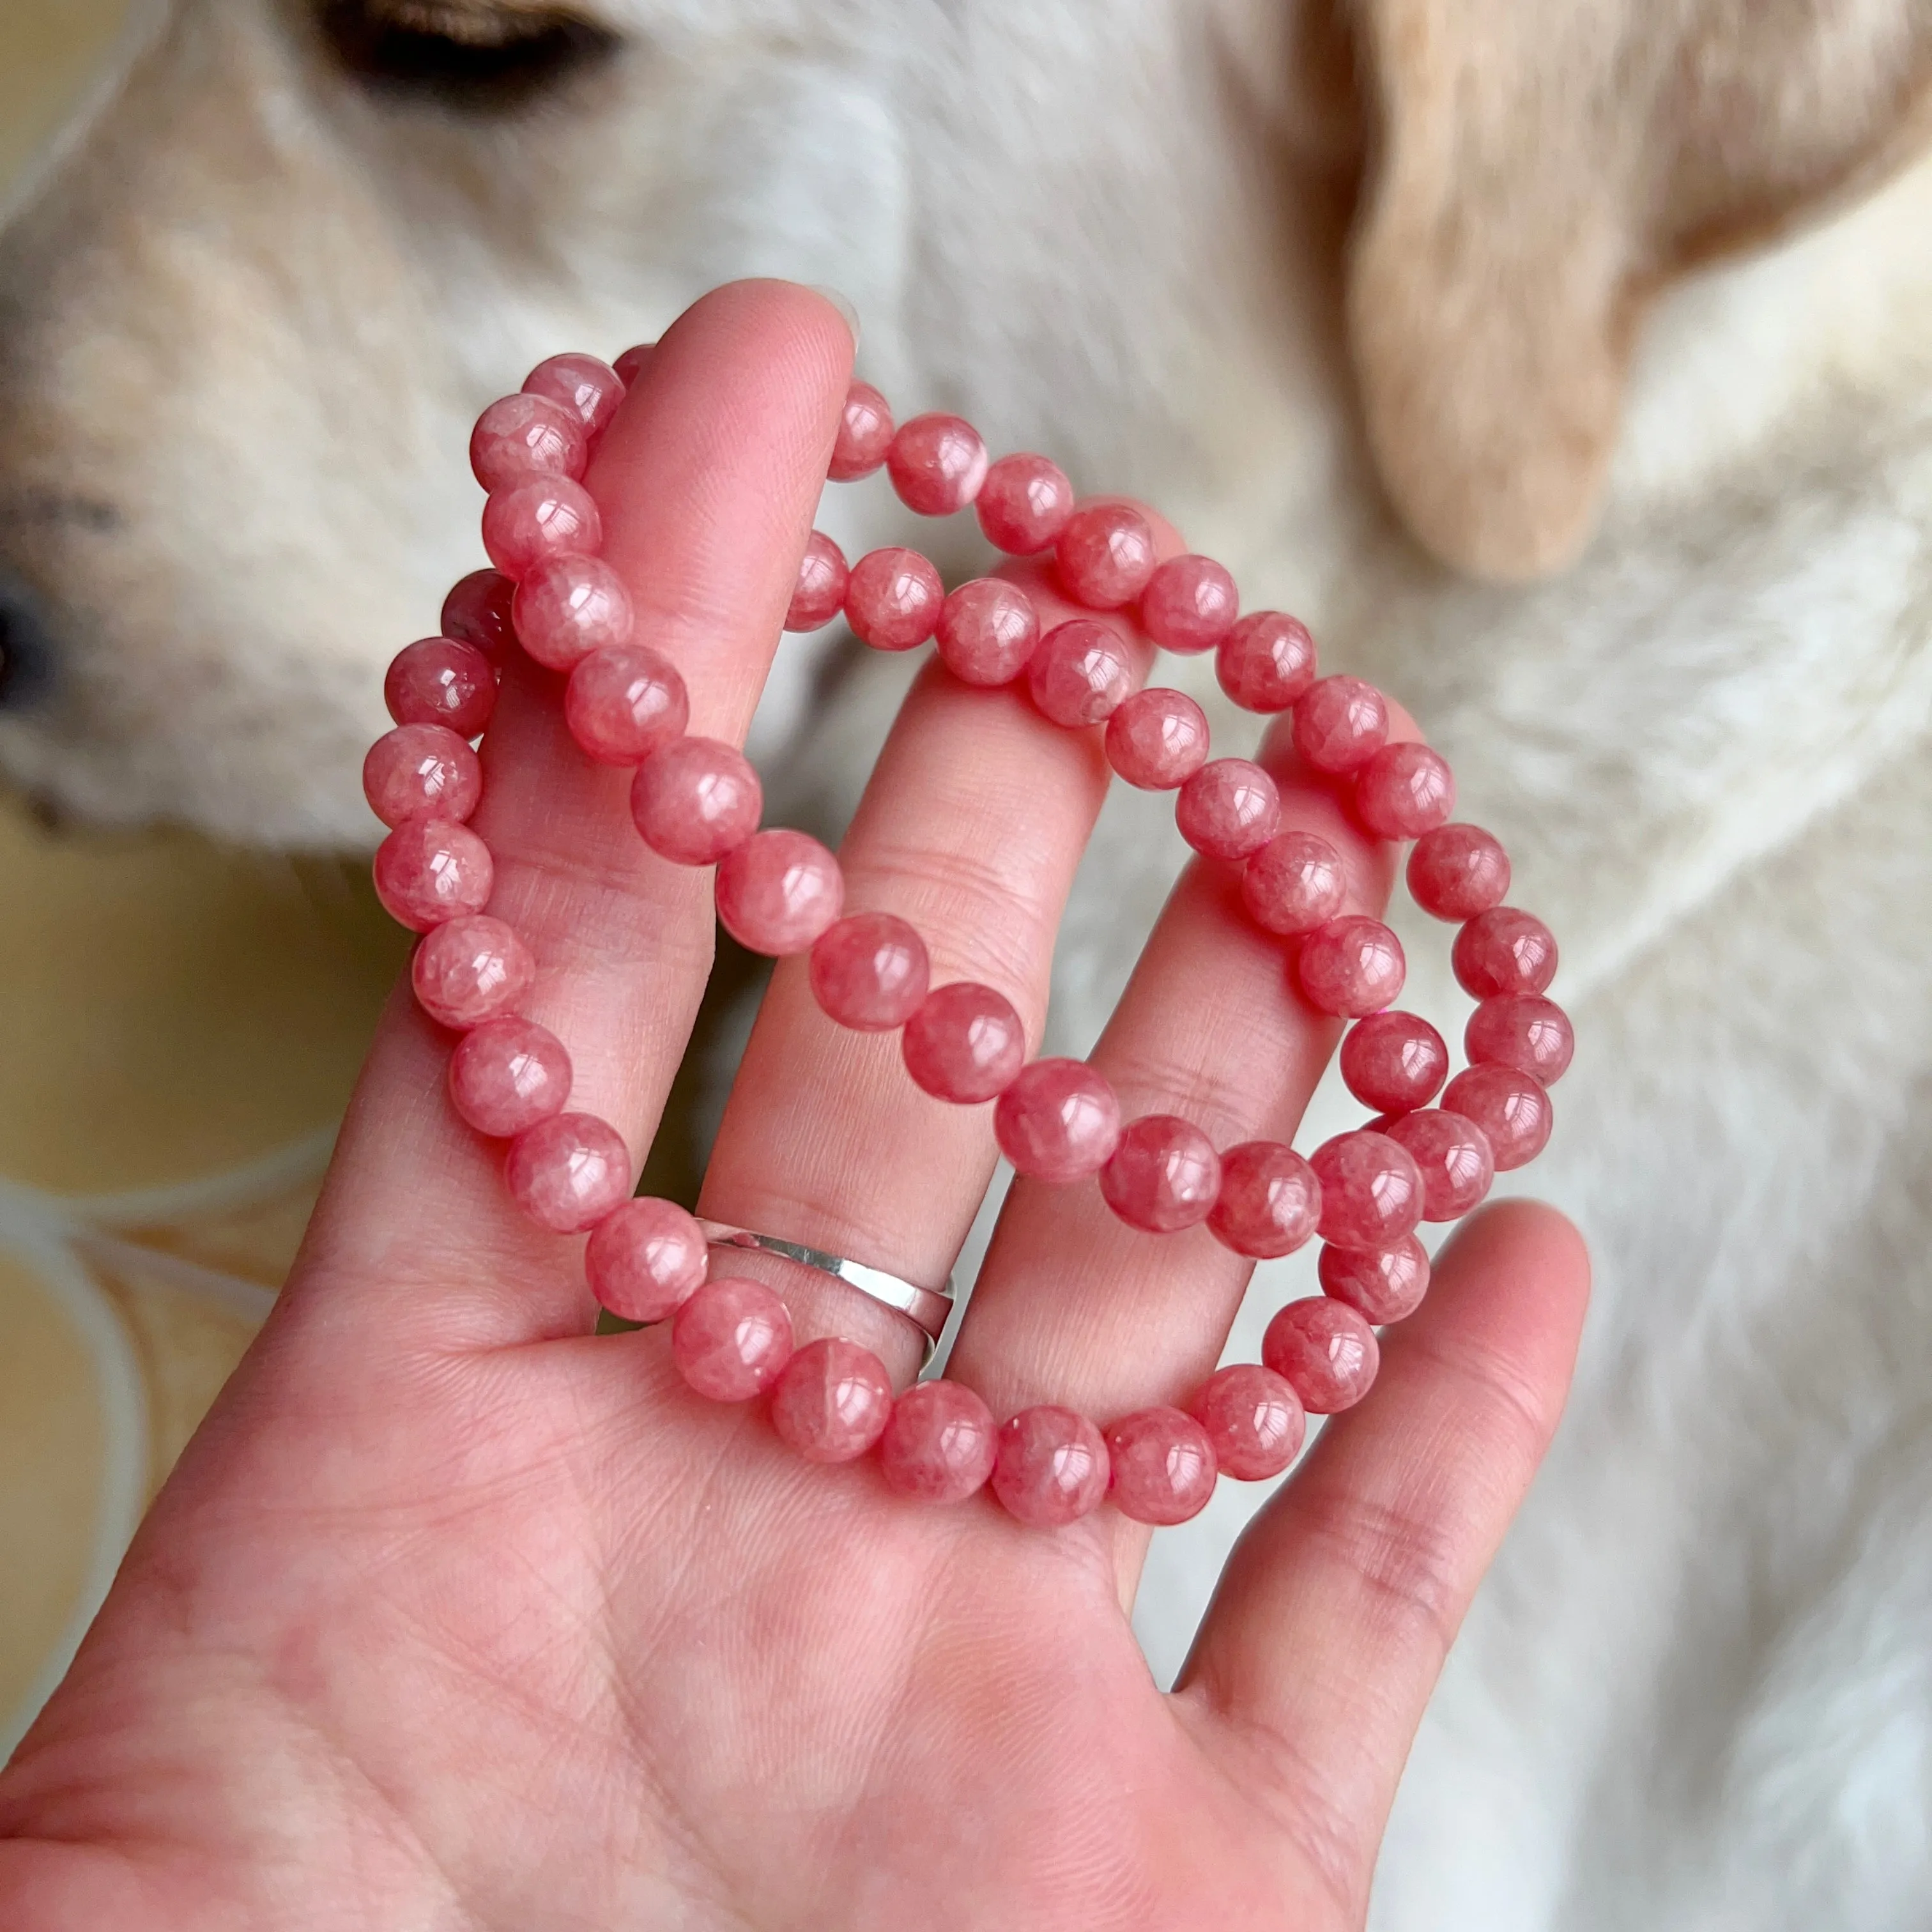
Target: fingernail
[{"x": 842, "y": 304}]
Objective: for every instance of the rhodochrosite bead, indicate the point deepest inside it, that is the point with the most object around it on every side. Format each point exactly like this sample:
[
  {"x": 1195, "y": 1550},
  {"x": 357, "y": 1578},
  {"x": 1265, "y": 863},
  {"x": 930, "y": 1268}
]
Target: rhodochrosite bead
[
  {"x": 731, "y": 1339},
  {"x": 1080, "y": 673},
  {"x": 1190, "y": 605},
  {"x": 778, "y": 891},
  {"x": 1340, "y": 724},
  {"x": 1371, "y": 1190},
  {"x": 937, "y": 463},
  {"x": 429, "y": 870},
  {"x": 864, "y": 434},
  {"x": 568, "y": 1172},
  {"x": 1381, "y": 1284},
  {"x": 1351, "y": 966},
  {"x": 1254, "y": 1420},
  {"x": 820, "y": 593},
  {"x": 1161, "y": 1466},
  {"x": 1023, "y": 504},
  {"x": 1452, "y": 1154},
  {"x": 939, "y": 1444},
  {"x": 1104, "y": 555},
  {"x": 549, "y": 517},
  {"x": 1052, "y": 1465},
  {"x": 1229, "y": 808},
  {"x": 1270, "y": 1201},
  {"x": 567, "y": 607},
  {"x": 1504, "y": 951},
  {"x": 590, "y": 389},
  {"x": 987, "y": 631},
  {"x": 1458, "y": 871},
  {"x": 442, "y": 681},
  {"x": 1403, "y": 791},
  {"x": 519, "y": 436},
  {"x": 869, "y": 972},
  {"x": 1394, "y": 1062},
  {"x": 695, "y": 800},
  {"x": 965, "y": 1043},
  {"x": 1267, "y": 662},
  {"x": 1325, "y": 1351},
  {"x": 893, "y": 599},
  {"x": 1512, "y": 1111},
  {"x": 646, "y": 1259},
  {"x": 1294, "y": 883},
  {"x": 1523, "y": 1031},
  {"x": 471, "y": 969},
  {"x": 1157, "y": 739},
  {"x": 1163, "y": 1176},
  {"x": 507, "y": 1074},
  {"x": 421, "y": 769},
  {"x": 831, "y": 1401},
  {"x": 624, "y": 702},
  {"x": 1058, "y": 1120},
  {"x": 477, "y": 611}
]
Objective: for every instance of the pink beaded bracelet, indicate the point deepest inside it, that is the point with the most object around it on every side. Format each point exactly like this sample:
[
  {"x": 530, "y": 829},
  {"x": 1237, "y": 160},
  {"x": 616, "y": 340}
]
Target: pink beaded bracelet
[{"x": 698, "y": 802}]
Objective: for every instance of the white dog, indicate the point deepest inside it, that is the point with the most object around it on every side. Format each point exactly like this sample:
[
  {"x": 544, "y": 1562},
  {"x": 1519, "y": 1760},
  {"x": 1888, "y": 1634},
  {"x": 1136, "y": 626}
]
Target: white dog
[{"x": 1361, "y": 303}]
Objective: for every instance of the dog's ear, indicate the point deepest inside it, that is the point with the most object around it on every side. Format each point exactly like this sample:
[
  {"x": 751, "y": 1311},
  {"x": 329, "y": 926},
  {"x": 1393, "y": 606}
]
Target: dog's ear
[{"x": 1536, "y": 168}]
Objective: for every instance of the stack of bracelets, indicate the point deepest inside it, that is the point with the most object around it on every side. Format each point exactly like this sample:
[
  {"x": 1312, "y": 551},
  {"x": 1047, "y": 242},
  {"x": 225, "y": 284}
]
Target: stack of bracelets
[{"x": 697, "y": 802}]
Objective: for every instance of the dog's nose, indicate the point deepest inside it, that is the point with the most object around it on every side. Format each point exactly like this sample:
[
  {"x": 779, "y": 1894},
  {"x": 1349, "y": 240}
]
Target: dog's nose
[{"x": 26, "y": 649}]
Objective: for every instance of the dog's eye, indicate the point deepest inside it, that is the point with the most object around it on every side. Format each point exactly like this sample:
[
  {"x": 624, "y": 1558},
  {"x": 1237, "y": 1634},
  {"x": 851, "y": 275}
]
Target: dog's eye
[{"x": 475, "y": 53}]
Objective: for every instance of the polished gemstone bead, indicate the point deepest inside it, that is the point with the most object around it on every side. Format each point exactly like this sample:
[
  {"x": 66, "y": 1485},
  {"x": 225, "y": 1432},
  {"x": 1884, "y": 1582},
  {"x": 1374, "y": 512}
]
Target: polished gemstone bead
[
  {"x": 1351, "y": 966},
  {"x": 633, "y": 362},
  {"x": 471, "y": 969},
  {"x": 568, "y": 607},
  {"x": 1051, "y": 1466},
  {"x": 1023, "y": 504},
  {"x": 987, "y": 629},
  {"x": 477, "y": 611},
  {"x": 696, "y": 800},
  {"x": 1270, "y": 1201},
  {"x": 1190, "y": 605},
  {"x": 1325, "y": 1350},
  {"x": 1394, "y": 1062},
  {"x": 1504, "y": 951},
  {"x": 1340, "y": 724},
  {"x": 1080, "y": 673},
  {"x": 508, "y": 1075},
  {"x": 1403, "y": 791},
  {"x": 937, "y": 463},
  {"x": 517, "y": 437},
  {"x": 1458, "y": 871},
  {"x": 646, "y": 1259},
  {"x": 590, "y": 389},
  {"x": 965, "y": 1043},
  {"x": 1105, "y": 554},
  {"x": 1058, "y": 1121},
  {"x": 939, "y": 1445},
  {"x": 778, "y": 891},
  {"x": 1454, "y": 1155},
  {"x": 1229, "y": 808},
  {"x": 1254, "y": 1420},
  {"x": 1161, "y": 1466},
  {"x": 864, "y": 434},
  {"x": 831, "y": 1400},
  {"x": 1294, "y": 883},
  {"x": 528, "y": 522},
  {"x": 1381, "y": 1284},
  {"x": 1267, "y": 662},
  {"x": 731, "y": 1339},
  {"x": 869, "y": 972},
  {"x": 429, "y": 870},
  {"x": 1157, "y": 739},
  {"x": 893, "y": 599},
  {"x": 1512, "y": 1111},
  {"x": 819, "y": 595},
  {"x": 442, "y": 681},
  {"x": 421, "y": 771},
  {"x": 1371, "y": 1190},
  {"x": 568, "y": 1172},
  {"x": 1523, "y": 1031},
  {"x": 1163, "y": 1176},
  {"x": 625, "y": 702}
]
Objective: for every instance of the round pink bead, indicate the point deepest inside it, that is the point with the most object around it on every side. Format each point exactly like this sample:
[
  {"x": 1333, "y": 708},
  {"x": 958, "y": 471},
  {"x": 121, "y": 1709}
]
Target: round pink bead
[
  {"x": 695, "y": 800},
  {"x": 590, "y": 389},
  {"x": 509, "y": 1075},
  {"x": 893, "y": 599},
  {"x": 625, "y": 702},
  {"x": 1458, "y": 871},
  {"x": 1512, "y": 1111},
  {"x": 1254, "y": 1420},
  {"x": 477, "y": 611},
  {"x": 567, "y": 607},
  {"x": 869, "y": 972},
  {"x": 1157, "y": 739},
  {"x": 1023, "y": 504},
  {"x": 965, "y": 1043},
  {"x": 1294, "y": 883},
  {"x": 778, "y": 891},
  {"x": 939, "y": 1443},
  {"x": 633, "y": 362},
  {"x": 1051, "y": 1466},
  {"x": 1371, "y": 1190},
  {"x": 517, "y": 437},
  {"x": 831, "y": 1401},
  {"x": 1270, "y": 1202},
  {"x": 1454, "y": 1155},
  {"x": 1394, "y": 1062},
  {"x": 1381, "y": 1284},
  {"x": 1340, "y": 724},
  {"x": 646, "y": 1259},
  {"x": 820, "y": 593},
  {"x": 1351, "y": 966},
  {"x": 430, "y": 870},
  {"x": 1229, "y": 808},
  {"x": 1523, "y": 1031},
  {"x": 1325, "y": 1351},
  {"x": 864, "y": 434},
  {"x": 731, "y": 1340},
  {"x": 529, "y": 522},
  {"x": 1104, "y": 555},
  {"x": 1403, "y": 791},
  {"x": 442, "y": 681},
  {"x": 470, "y": 970},
  {"x": 937, "y": 463},
  {"x": 1081, "y": 674},
  {"x": 1161, "y": 1465},
  {"x": 419, "y": 770},
  {"x": 987, "y": 629},
  {"x": 1058, "y": 1121},
  {"x": 1504, "y": 951},
  {"x": 568, "y": 1172},
  {"x": 1267, "y": 662},
  {"x": 1190, "y": 605},
  {"x": 1164, "y": 1176}
]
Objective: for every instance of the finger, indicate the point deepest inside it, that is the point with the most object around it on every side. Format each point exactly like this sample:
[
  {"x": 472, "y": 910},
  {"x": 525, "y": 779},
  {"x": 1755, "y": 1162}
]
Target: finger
[{"x": 1332, "y": 1619}]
